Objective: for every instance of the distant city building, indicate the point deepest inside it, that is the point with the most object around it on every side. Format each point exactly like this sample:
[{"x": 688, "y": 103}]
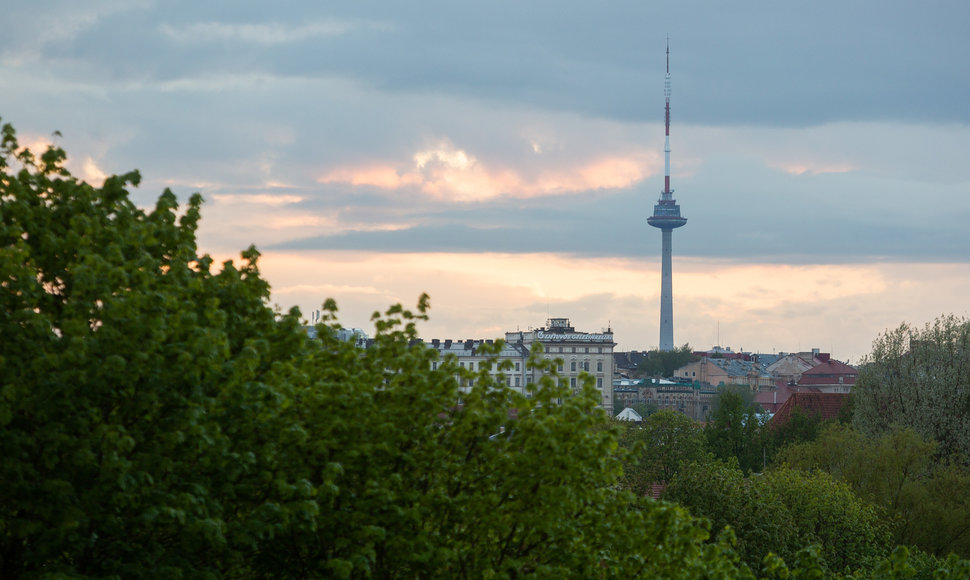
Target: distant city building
[
  {"x": 725, "y": 371},
  {"x": 823, "y": 406},
  {"x": 692, "y": 399},
  {"x": 590, "y": 352},
  {"x": 790, "y": 366},
  {"x": 831, "y": 376}
]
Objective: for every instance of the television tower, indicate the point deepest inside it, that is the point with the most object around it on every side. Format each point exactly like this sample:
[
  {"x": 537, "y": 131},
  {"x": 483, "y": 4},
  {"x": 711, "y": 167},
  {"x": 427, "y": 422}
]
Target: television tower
[{"x": 666, "y": 216}]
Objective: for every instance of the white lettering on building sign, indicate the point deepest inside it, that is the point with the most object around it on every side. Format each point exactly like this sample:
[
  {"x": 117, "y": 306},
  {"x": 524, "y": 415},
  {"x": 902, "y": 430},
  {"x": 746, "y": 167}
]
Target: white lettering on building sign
[{"x": 577, "y": 337}]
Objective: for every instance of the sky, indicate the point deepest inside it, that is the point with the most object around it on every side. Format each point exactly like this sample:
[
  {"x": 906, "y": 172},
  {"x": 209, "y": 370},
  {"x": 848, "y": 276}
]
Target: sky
[{"x": 503, "y": 156}]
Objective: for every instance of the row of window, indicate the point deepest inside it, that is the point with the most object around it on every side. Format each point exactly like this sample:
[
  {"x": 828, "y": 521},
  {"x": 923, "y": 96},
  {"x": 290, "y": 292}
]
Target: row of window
[
  {"x": 471, "y": 365},
  {"x": 586, "y": 349},
  {"x": 508, "y": 382}
]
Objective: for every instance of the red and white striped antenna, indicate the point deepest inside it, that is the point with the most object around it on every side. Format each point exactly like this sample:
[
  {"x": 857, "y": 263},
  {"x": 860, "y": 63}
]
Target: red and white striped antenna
[{"x": 667, "y": 192}]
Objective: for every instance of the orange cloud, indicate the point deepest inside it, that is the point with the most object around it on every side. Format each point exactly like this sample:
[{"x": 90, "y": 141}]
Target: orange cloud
[
  {"x": 446, "y": 172},
  {"x": 257, "y": 198},
  {"x": 813, "y": 168}
]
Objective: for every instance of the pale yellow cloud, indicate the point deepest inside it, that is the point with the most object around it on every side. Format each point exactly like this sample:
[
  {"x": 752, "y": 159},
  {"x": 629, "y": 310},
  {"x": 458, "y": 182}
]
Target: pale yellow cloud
[
  {"x": 761, "y": 307},
  {"x": 257, "y": 198},
  {"x": 91, "y": 173},
  {"x": 802, "y": 167},
  {"x": 446, "y": 172}
]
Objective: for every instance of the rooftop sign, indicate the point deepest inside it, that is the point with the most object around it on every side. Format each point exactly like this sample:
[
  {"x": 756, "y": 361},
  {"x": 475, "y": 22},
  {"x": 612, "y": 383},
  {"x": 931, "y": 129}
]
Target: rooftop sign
[{"x": 573, "y": 336}]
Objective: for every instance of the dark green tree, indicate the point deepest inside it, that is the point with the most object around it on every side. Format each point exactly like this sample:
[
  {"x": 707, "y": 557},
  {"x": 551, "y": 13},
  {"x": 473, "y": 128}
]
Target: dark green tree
[
  {"x": 663, "y": 363},
  {"x": 919, "y": 378},
  {"x": 926, "y": 500},
  {"x": 158, "y": 419},
  {"x": 782, "y": 511},
  {"x": 126, "y": 367},
  {"x": 735, "y": 430},
  {"x": 659, "y": 446}
]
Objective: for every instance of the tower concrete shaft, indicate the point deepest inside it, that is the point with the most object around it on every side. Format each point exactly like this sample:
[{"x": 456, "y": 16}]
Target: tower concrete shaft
[
  {"x": 666, "y": 216},
  {"x": 666, "y": 293}
]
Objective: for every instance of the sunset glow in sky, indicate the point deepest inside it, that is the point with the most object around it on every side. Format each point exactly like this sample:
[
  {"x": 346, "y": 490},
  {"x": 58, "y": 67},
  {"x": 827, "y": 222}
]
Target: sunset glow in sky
[{"x": 504, "y": 156}]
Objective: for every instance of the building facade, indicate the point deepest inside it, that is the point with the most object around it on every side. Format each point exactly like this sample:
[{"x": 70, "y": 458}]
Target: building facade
[
  {"x": 717, "y": 371},
  {"x": 577, "y": 352},
  {"x": 589, "y": 352}
]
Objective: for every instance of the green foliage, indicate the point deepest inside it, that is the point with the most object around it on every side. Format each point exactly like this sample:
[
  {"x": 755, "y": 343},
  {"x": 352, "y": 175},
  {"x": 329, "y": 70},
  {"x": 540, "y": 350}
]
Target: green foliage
[
  {"x": 782, "y": 511},
  {"x": 663, "y": 363},
  {"x": 801, "y": 427},
  {"x": 658, "y": 447},
  {"x": 919, "y": 378},
  {"x": 120, "y": 348},
  {"x": 926, "y": 500},
  {"x": 735, "y": 431},
  {"x": 158, "y": 419}
]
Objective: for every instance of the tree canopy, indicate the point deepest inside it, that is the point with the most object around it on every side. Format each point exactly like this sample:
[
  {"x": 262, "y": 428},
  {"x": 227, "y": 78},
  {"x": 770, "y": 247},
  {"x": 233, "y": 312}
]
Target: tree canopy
[
  {"x": 919, "y": 378},
  {"x": 158, "y": 419}
]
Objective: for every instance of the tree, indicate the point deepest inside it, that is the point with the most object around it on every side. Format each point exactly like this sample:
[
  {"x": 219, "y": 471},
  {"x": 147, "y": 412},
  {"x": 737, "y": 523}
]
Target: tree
[
  {"x": 801, "y": 427},
  {"x": 665, "y": 441},
  {"x": 735, "y": 430},
  {"x": 919, "y": 378},
  {"x": 927, "y": 501},
  {"x": 158, "y": 419},
  {"x": 783, "y": 511},
  {"x": 663, "y": 363},
  {"x": 126, "y": 365}
]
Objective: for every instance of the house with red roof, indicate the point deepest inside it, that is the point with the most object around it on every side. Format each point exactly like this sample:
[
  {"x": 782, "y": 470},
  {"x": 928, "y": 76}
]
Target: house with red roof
[
  {"x": 824, "y": 406},
  {"x": 830, "y": 376}
]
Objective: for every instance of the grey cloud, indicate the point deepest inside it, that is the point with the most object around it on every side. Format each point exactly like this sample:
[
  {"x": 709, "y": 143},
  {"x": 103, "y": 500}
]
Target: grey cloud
[{"x": 773, "y": 64}]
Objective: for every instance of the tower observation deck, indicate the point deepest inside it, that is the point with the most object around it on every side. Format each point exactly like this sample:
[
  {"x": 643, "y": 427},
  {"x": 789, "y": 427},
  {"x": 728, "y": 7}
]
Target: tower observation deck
[{"x": 666, "y": 216}]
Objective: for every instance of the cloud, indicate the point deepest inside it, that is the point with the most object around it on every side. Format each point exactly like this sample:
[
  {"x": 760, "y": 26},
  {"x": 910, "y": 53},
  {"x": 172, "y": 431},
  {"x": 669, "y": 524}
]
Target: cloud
[
  {"x": 257, "y": 198},
  {"x": 262, "y": 33},
  {"x": 446, "y": 172},
  {"x": 91, "y": 173},
  {"x": 764, "y": 307}
]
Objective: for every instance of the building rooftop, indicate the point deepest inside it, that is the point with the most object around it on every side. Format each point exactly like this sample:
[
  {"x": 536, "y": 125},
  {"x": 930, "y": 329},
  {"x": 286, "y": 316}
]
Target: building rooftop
[{"x": 822, "y": 405}]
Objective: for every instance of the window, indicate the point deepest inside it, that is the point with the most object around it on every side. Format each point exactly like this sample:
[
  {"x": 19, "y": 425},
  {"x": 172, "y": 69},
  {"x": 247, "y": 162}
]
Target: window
[
  {"x": 517, "y": 381},
  {"x": 471, "y": 365},
  {"x": 516, "y": 367},
  {"x": 586, "y": 349},
  {"x": 572, "y": 382},
  {"x": 586, "y": 366},
  {"x": 572, "y": 366},
  {"x": 599, "y": 366},
  {"x": 462, "y": 364},
  {"x": 599, "y": 382},
  {"x": 560, "y": 368},
  {"x": 434, "y": 366}
]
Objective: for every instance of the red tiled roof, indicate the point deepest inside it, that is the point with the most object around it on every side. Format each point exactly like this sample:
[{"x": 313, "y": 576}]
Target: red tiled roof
[
  {"x": 834, "y": 380},
  {"x": 832, "y": 367},
  {"x": 822, "y": 405},
  {"x": 771, "y": 401}
]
